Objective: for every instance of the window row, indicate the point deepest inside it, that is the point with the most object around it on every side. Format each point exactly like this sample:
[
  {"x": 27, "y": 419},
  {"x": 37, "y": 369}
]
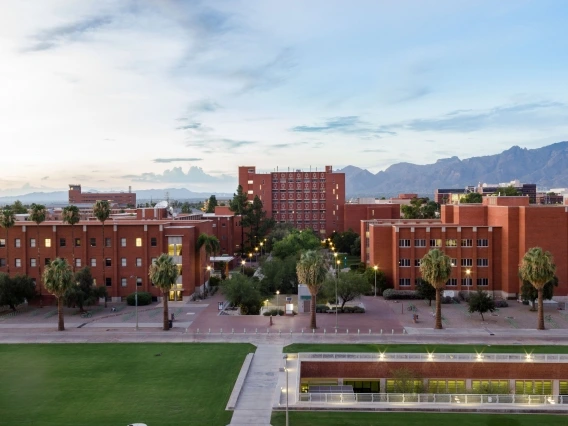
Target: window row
[
  {"x": 76, "y": 242},
  {"x": 452, "y": 282},
  {"x": 437, "y": 242},
  {"x": 78, "y": 262},
  {"x": 481, "y": 262}
]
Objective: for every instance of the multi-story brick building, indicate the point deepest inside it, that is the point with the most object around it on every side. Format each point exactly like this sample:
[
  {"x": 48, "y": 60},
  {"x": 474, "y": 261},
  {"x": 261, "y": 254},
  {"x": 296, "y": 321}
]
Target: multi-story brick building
[
  {"x": 129, "y": 247},
  {"x": 76, "y": 196},
  {"x": 307, "y": 199},
  {"x": 486, "y": 242}
]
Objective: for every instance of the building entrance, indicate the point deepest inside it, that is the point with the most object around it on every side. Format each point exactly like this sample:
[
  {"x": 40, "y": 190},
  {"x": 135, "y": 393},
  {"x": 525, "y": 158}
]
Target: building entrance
[{"x": 175, "y": 296}]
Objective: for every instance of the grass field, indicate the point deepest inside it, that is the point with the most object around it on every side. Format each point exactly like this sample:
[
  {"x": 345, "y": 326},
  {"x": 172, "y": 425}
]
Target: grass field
[
  {"x": 117, "y": 384},
  {"x": 307, "y": 347},
  {"x": 415, "y": 419}
]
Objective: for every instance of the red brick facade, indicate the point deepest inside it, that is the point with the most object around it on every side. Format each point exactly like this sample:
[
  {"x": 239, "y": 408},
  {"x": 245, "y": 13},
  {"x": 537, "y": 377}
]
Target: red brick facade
[{"x": 76, "y": 196}]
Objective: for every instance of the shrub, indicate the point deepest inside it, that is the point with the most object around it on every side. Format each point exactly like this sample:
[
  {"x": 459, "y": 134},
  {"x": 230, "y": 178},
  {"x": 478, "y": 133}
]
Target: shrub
[
  {"x": 273, "y": 312},
  {"x": 144, "y": 298},
  {"x": 390, "y": 294},
  {"x": 358, "y": 310},
  {"x": 501, "y": 304},
  {"x": 248, "y": 271},
  {"x": 321, "y": 309},
  {"x": 214, "y": 281},
  {"x": 446, "y": 300},
  {"x": 213, "y": 290}
]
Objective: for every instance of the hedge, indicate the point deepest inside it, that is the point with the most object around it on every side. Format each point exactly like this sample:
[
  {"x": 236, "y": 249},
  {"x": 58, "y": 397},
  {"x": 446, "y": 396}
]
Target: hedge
[
  {"x": 390, "y": 294},
  {"x": 144, "y": 298}
]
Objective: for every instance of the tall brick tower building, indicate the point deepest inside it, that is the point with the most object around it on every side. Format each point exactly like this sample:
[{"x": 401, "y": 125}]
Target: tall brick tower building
[{"x": 307, "y": 199}]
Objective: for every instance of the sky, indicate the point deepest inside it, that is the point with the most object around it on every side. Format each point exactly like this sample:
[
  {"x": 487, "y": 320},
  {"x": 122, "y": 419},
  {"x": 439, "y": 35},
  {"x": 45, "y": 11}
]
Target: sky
[{"x": 164, "y": 93}]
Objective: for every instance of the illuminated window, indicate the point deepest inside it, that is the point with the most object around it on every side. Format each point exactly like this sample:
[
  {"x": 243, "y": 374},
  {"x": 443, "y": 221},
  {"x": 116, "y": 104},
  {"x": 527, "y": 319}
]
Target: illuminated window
[
  {"x": 138, "y": 242},
  {"x": 452, "y": 242},
  {"x": 47, "y": 242}
]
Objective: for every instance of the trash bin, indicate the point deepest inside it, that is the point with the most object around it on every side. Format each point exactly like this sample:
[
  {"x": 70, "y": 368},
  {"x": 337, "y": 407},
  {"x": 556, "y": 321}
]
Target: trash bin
[{"x": 170, "y": 323}]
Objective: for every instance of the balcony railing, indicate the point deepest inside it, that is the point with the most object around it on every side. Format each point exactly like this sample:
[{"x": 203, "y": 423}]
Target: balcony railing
[{"x": 434, "y": 357}]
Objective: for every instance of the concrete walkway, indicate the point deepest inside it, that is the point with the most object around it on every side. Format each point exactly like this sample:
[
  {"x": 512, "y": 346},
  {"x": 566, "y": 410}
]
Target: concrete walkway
[{"x": 254, "y": 405}]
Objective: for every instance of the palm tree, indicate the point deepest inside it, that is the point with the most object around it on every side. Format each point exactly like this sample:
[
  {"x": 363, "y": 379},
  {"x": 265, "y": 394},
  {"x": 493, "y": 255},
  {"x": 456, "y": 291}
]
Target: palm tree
[
  {"x": 71, "y": 217},
  {"x": 436, "y": 268},
  {"x": 210, "y": 242},
  {"x": 163, "y": 273},
  {"x": 7, "y": 220},
  {"x": 58, "y": 279},
  {"x": 101, "y": 210},
  {"x": 38, "y": 215},
  {"x": 312, "y": 270},
  {"x": 538, "y": 268}
]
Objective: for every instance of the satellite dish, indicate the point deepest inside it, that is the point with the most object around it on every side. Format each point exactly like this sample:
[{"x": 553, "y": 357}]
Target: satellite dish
[{"x": 161, "y": 205}]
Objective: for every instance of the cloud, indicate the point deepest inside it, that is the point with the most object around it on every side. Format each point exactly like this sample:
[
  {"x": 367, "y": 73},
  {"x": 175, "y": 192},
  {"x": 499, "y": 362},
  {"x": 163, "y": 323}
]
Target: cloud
[
  {"x": 45, "y": 178},
  {"x": 57, "y": 36},
  {"x": 190, "y": 126},
  {"x": 204, "y": 105},
  {"x": 210, "y": 145},
  {"x": 175, "y": 160},
  {"x": 351, "y": 124},
  {"x": 268, "y": 75},
  {"x": 194, "y": 175},
  {"x": 502, "y": 116},
  {"x": 374, "y": 150}
]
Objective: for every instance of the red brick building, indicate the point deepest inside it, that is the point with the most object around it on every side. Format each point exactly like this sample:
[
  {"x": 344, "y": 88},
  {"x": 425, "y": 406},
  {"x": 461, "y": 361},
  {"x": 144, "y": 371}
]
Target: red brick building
[
  {"x": 129, "y": 248},
  {"x": 486, "y": 242},
  {"x": 76, "y": 196},
  {"x": 307, "y": 199}
]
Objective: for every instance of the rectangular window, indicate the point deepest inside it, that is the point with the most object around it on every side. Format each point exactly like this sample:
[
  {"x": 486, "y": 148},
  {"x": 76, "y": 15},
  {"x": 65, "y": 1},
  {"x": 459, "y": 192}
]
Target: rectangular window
[
  {"x": 435, "y": 243},
  {"x": 32, "y": 242},
  {"x": 139, "y": 261},
  {"x": 466, "y": 282},
  {"x": 404, "y": 282},
  {"x": 47, "y": 261},
  {"x": 420, "y": 243},
  {"x": 153, "y": 242},
  {"x": 404, "y": 243},
  {"x": 93, "y": 262},
  {"x": 138, "y": 282},
  {"x": 108, "y": 262},
  {"x": 2, "y": 242},
  {"x": 138, "y": 242},
  {"x": 467, "y": 262},
  {"x": 123, "y": 261},
  {"x": 533, "y": 387},
  {"x": 62, "y": 242},
  {"x": 490, "y": 386},
  {"x": 78, "y": 263},
  {"x": 483, "y": 282},
  {"x": 93, "y": 242},
  {"x": 482, "y": 262},
  {"x": 47, "y": 242},
  {"x": 77, "y": 242},
  {"x": 454, "y": 262},
  {"x": 123, "y": 242},
  {"x": 482, "y": 242},
  {"x": 417, "y": 262},
  {"x": 108, "y": 282},
  {"x": 404, "y": 262},
  {"x": 452, "y": 282},
  {"x": 2, "y": 262},
  {"x": 33, "y": 262},
  {"x": 17, "y": 243},
  {"x": 451, "y": 242},
  {"x": 18, "y": 263},
  {"x": 123, "y": 282},
  {"x": 108, "y": 242},
  {"x": 466, "y": 242},
  {"x": 153, "y": 260}
]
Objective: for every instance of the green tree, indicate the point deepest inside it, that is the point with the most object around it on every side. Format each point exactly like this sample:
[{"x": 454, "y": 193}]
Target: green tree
[
  {"x": 406, "y": 381},
  {"x": 256, "y": 221},
  {"x": 211, "y": 204},
  {"x": 38, "y": 215},
  {"x": 84, "y": 292},
  {"x": 58, "y": 279},
  {"x": 356, "y": 246},
  {"x": 186, "y": 208},
  {"x": 471, "y": 198},
  {"x": 101, "y": 210},
  {"x": 382, "y": 281},
  {"x": 426, "y": 291},
  {"x": 239, "y": 205},
  {"x": 481, "y": 302},
  {"x": 209, "y": 242},
  {"x": 15, "y": 290},
  {"x": 18, "y": 207},
  {"x": 529, "y": 293},
  {"x": 537, "y": 267},
  {"x": 163, "y": 273},
  {"x": 312, "y": 270},
  {"x": 344, "y": 241},
  {"x": 71, "y": 217},
  {"x": 7, "y": 221},
  {"x": 350, "y": 286},
  {"x": 296, "y": 242},
  {"x": 278, "y": 274},
  {"x": 436, "y": 268},
  {"x": 508, "y": 191},
  {"x": 243, "y": 292},
  {"x": 420, "y": 208}
]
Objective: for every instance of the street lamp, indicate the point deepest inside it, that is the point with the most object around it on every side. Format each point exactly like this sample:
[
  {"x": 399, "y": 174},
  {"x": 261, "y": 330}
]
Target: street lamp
[
  {"x": 250, "y": 259},
  {"x": 336, "y": 298},
  {"x": 135, "y": 297},
  {"x": 277, "y": 302},
  {"x": 208, "y": 270},
  {"x": 243, "y": 266},
  {"x": 375, "y": 268},
  {"x": 261, "y": 244},
  {"x": 337, "y": 262},
  {"x": 287, "y": 388}
]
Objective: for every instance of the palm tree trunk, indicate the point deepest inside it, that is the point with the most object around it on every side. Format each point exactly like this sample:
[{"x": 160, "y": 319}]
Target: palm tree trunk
[
  {"x": 60, "y": 323},
  {"x": 7, "y": 254},
  {"x": 540, "y": 310},
  {"x": 73, "y": 246},
  {"x": 166, "y": 323},
  {"x": 104, "y": 261},
  {"x": 39, "y": 269},
  {"x": 313, "y": 312},
  {"x": 438, "y": 309}
]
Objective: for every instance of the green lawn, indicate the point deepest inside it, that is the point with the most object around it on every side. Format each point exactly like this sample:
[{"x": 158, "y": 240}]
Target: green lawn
[
  {"x": 415, "y": 419},
  {"x": 408, "y": 348},
  {"x": 117, "y": 384}
]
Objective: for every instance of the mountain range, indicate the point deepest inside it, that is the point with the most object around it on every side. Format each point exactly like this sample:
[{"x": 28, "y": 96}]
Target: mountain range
[{"x": 546, "y": 166}]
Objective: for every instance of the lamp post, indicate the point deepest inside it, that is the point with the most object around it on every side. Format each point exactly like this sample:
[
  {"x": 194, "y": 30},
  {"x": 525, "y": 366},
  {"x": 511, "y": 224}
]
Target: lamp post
[
  {"x": 287, "y": 390},
  {"x": 208, "y": 270},
  {"x": 243, "y": 266},
  {"x": 336, "y": 297},
  {"x": 135, "y": 297},
  {"x": 261, "y": 244},
  {"x": 375, "y": 268},
  {"x": 278, "y": 302},
  {"x": 250, "y": 259}
]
